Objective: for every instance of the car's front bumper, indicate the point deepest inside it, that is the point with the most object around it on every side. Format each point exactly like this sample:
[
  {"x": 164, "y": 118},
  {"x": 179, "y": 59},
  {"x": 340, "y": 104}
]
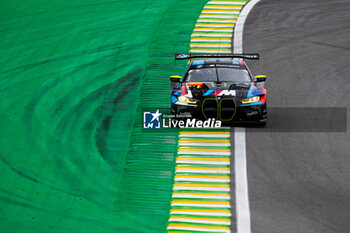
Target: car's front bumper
[{"x": 225, "y": 111}]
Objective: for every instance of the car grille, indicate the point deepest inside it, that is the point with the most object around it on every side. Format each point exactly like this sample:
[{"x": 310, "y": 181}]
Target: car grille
[
  {"x": 210, "y": 108},
  {"x": 227, "y": 108}
]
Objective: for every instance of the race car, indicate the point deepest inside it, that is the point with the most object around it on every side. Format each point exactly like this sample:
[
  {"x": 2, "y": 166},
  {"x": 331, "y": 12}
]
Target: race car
[{"x": 219, "y": 86}]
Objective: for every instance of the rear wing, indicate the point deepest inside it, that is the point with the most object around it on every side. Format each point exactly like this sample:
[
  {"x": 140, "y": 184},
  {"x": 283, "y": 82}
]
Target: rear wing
[{"x": 184, "y": 56}]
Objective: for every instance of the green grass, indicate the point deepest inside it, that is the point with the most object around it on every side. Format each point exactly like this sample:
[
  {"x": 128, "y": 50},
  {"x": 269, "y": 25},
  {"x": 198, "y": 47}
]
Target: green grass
[{"x": 74, "y": 78}]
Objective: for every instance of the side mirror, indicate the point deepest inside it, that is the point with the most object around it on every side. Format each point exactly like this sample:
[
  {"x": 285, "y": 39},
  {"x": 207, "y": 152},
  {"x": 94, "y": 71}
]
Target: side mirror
[
  {"x": 260, "y": 78},
  {"x": 175, "y": 78}
]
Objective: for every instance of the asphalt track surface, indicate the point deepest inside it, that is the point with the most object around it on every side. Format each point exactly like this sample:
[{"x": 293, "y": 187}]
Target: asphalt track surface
[{"x": 299, "y": 179}]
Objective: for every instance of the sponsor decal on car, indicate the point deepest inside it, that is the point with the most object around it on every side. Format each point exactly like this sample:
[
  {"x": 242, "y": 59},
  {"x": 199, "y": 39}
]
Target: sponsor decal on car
[
  {"x": 220, "y": 93},
  {"x": 198, "y": 85}
]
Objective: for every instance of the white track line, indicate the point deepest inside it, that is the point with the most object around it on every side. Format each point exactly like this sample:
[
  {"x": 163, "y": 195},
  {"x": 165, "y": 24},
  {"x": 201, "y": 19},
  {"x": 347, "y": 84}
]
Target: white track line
[
  {"x": 217, "y": 16},
  {"x": 183, "y": 170},
  {"x": 223, "y": 12},
  {"x": 201, "y": 205},
  {"x": 210, "y": 40},
  {"x": 201, "y": 189},
  {"x": 222, "y": 25},
  {"x": 202, "y": 213},
  {"x": 184, "y": 195},
  {"x": 227, "y": 3},
  {"x": 212, "y": 30},
  {"x": 202, "y": 153},
  {"x": 184, "y": 135},
  {"x": 222, "y": 7},
  {"x": 241, "y": 179},
  {"x": 189, "y": 220},
  {"x": 216, "y": 21},
  {"x": 203, "y": 144},
  {"x": 210, "y": 51},
  {"x": 197, "y": 229},
  {"x": 209, "y": 46},
  {"x": 202, "y": 180},
  {"x": 226, "y": 35},
  {"x": 202, "y": 162}
]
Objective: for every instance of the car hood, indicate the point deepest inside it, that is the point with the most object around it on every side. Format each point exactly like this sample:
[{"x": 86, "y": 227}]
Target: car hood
[{"x": 218, "y": 90}]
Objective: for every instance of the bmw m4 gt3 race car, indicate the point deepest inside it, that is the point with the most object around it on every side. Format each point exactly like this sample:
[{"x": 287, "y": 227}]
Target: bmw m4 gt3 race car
[{"x": 222, "y": 88}]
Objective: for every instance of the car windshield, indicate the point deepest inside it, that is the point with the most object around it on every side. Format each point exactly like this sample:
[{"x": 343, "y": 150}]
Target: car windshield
[{"x": 213, "y": 74}]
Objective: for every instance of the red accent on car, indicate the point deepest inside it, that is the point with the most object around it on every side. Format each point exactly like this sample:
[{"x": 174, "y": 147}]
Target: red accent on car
[
  {"x": 198, "y": 85},
  {"x": 184, "y": 91},
  {"x": 263, "y": 97},
  {"x": 218, "y": 92}
]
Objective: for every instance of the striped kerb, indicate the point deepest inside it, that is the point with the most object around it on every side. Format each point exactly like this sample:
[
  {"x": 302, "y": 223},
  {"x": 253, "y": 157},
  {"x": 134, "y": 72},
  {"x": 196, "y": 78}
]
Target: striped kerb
[
  {"x": 201, "y": 190},
  {"x": 214, "y": 28}
]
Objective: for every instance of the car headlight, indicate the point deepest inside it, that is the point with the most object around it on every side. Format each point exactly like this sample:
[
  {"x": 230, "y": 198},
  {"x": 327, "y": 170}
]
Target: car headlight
[
  {"x": 184, "y": 99},
  {"x": 251, "y": 100}
]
